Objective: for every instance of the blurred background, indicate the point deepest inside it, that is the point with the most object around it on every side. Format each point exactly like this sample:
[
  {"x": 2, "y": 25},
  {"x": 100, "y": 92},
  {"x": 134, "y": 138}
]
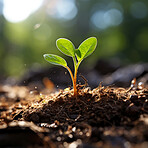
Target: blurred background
[{"x": 29, "y": 29}]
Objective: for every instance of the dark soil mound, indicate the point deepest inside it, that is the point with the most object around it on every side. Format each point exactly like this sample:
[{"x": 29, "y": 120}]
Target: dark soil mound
[
  {"x": 99, "y": 107},
  {"x": 104, "y": 117}
]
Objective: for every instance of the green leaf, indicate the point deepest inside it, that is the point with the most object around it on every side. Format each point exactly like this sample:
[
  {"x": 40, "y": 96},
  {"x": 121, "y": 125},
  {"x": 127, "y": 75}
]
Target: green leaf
[
  {"x": 54, "y": 59},
  {"x": 78, "y": 53},
  {"x": 66, "y": 47},
  {"x": 86, "y": 48}
]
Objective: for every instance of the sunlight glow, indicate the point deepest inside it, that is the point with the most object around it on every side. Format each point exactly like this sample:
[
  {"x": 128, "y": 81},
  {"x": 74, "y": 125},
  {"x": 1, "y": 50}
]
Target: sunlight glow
[{"x": 18, "y": 10}]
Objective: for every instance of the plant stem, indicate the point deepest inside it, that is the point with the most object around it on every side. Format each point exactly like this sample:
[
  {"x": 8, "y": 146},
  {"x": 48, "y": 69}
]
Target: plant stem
[
  {"x": 75, "y": 75},
  {"x": 73, "y": 80}
]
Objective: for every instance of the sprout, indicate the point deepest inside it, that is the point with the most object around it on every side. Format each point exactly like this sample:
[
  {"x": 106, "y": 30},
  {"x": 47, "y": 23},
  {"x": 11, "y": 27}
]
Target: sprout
[{"x": 66, "y": 47}]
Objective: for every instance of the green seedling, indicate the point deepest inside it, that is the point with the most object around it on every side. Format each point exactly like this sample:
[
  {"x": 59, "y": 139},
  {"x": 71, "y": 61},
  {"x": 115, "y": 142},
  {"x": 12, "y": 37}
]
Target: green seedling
[{"x": 66, "y": 47}]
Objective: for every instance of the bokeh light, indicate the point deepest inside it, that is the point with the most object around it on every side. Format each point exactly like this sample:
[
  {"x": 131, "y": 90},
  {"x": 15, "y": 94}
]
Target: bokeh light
[
  {"x": 62, "y": 9},
  {"x": 104, "y": 19},
  {"x": 139, "y": 10},
  {"x": 66, "y": 9}
]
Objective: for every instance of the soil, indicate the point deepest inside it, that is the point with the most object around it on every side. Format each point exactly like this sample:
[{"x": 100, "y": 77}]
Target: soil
[
  {"x": 104, "y": 117},
  {"x": 34, "y": 112}
]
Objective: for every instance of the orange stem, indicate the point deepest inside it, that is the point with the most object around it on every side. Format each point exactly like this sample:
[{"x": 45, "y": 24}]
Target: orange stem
[{"x": 73, "y": 80}]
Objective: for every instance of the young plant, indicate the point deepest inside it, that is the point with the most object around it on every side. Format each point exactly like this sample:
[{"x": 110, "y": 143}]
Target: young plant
[{"x": 66, "y": 46}]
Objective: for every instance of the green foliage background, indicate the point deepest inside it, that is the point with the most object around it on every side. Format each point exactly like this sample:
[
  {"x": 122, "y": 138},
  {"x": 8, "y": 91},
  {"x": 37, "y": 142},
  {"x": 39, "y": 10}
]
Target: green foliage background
[{"x": 22, "y": 45}]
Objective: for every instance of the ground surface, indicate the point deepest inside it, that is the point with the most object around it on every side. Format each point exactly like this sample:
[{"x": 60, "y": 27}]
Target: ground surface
[
  {"x": 35, "y": 113},
  {"x": 105, "y": 117}
]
